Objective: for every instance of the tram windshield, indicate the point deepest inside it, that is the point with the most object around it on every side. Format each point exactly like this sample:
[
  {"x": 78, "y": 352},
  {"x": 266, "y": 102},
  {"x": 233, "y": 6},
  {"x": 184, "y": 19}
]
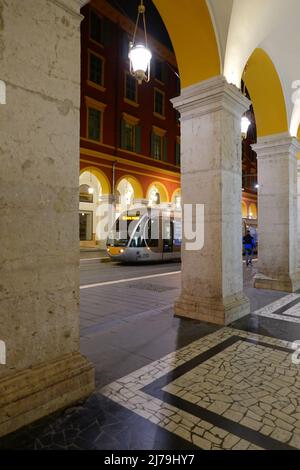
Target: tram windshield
[{"x": 123, "y": 228}]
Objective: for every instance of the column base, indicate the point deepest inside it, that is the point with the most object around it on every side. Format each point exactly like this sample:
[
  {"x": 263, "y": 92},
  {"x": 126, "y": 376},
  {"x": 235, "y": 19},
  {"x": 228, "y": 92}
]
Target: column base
[
  {"x": 217, "y": 311},
  {"x": 288, "y": 283},
  {"x": 34, "y": 393}
]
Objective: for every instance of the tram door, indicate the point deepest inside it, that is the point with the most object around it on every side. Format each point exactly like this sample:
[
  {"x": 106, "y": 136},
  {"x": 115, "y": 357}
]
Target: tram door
[
  {"x": 154, "y": 241},
  {"x": 167, "y": 237}
]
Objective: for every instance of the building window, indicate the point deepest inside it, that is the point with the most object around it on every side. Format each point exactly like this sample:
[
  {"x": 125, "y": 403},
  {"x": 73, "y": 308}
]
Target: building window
[
  {"x": 96, "y": 69},
  {"x": 159, "y": 102},
  {"x": 157, "y": 147},
  {"x": 159, "y": 144},
  {"x": 95, "y": 27},
  {"x": 94, "y": 124},
  {"x": 130, "y": 88},
  {"x": 130, "y": 134}
]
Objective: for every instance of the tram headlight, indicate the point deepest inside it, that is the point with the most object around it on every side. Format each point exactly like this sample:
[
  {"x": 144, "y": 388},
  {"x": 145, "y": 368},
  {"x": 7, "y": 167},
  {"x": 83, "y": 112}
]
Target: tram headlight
[
  {"x": 108, "y": 250},
  {"x": 121, "y": 251}
]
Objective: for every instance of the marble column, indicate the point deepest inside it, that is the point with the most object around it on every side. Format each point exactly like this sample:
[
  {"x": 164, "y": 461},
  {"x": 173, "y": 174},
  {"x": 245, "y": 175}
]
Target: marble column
[
  {"x": 212, "y": 277},
  {"x": 277, "y": 208},
  {"x": 39, "y": 257},
  {"x": 298, "y": 215}
]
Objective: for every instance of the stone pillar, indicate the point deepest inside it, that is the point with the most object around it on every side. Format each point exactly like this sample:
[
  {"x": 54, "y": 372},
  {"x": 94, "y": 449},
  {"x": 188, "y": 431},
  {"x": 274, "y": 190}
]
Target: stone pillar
[
  {"x": 298, "y": 215},
  {"x": 39, "y": 255},
  {"x": 277, "y": 207},
  {"x": 212, "y": 278},
  {"x": 105, "y": 218}
]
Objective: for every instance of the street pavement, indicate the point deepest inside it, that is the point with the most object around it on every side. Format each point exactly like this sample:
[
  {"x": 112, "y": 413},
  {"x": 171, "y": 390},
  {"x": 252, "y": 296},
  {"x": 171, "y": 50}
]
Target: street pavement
[{"x": 126, "y": 324}]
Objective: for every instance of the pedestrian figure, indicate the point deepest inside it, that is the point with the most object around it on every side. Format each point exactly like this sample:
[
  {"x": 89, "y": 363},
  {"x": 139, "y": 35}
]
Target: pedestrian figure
[{"x": 249, "y": 244}]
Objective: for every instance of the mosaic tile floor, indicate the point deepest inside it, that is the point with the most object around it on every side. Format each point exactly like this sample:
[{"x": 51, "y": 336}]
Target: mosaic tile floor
[
  {"x": 228, "y": 390},
  {"x": 286, "y": 309}
]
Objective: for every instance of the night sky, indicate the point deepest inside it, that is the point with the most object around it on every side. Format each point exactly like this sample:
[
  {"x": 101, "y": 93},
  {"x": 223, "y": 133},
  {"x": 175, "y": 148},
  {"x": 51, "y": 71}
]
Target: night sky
[{"x": 154, "y": 23}]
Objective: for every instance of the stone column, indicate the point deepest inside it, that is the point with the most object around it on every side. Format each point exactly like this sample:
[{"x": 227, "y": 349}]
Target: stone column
[
  {"x": 277, "y": 207},
  {"x": 212, "y": 278},
  {"x": 298, "y": 215},
  {"x": 39, "y": 255}
]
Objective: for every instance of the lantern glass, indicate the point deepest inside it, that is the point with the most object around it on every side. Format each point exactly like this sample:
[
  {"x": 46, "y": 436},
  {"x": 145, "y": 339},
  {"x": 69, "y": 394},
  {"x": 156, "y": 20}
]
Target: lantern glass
[{"x": 139, "y": 57}]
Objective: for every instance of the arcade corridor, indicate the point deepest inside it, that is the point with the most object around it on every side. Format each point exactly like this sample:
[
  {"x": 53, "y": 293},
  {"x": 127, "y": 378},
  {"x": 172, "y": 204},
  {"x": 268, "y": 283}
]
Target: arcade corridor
[{"x": 166, "y": 383}]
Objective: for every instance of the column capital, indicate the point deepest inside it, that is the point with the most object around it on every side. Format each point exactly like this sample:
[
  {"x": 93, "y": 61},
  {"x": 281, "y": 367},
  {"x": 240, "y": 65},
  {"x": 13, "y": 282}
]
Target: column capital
[
  {"x": 276, "y": 145},
  {"x": 209, "y": 96}
]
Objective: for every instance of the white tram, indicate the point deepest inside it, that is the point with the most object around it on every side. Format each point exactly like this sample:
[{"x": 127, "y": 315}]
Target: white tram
[{"x": 146, "y": 234}]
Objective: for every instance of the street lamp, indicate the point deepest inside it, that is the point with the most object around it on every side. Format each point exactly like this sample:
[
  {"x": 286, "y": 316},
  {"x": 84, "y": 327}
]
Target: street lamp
[{"x": 139, "y": 54}]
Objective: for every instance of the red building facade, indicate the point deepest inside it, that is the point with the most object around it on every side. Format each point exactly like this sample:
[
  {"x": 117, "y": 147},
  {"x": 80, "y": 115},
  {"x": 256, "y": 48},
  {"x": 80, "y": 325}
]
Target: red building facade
[{"x": 129, "y": 132}]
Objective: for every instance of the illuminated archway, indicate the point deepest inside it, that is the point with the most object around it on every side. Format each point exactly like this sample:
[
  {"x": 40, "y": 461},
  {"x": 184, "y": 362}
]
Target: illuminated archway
[
  {"x": 263, "y": 83},
  {"x": 176, "y": 198},
  {"x": 136, "y": 185},
  {"x": 101, "y": 177},
  {"x": 244, "y": 210},
  {"x": 252, "y": 211},
  {"x": 157, "y": 188},
  {"x": 90, "y": 192}
]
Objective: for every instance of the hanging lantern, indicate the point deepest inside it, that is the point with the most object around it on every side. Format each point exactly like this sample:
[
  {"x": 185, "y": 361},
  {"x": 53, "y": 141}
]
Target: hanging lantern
[{"x": 139, "y": 54}]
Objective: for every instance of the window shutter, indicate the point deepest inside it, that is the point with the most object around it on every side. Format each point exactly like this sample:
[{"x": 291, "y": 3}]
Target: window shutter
[
  {"x": 123, "y": 134},
  {"x": 165, "y": 149},
  {"x": 138, "y": 139},
  {"x": 152, "y": 144},
  {"x": 105, "y": 32}
]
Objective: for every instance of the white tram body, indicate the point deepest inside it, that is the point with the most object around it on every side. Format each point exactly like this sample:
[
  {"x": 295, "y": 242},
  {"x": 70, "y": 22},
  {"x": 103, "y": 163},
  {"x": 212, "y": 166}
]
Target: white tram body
[{"x": 146, "y": 234}]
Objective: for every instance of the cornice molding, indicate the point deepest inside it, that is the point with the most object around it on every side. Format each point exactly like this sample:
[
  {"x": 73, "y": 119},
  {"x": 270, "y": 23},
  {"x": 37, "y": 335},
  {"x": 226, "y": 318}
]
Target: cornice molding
[
  {"x": 209, "y": 96},
  {"x": 277, "y": 145}
]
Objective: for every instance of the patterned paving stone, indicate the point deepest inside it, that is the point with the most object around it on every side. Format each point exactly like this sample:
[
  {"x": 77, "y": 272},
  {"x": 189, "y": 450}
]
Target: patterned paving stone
[{"x": 230, "y": 373}]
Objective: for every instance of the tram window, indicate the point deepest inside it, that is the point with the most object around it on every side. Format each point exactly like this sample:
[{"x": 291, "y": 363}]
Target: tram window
[
  {"x": 138, "y": 239},
  {"x": 153, "y": 233},
  {"x": 168, "y": 230}
]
